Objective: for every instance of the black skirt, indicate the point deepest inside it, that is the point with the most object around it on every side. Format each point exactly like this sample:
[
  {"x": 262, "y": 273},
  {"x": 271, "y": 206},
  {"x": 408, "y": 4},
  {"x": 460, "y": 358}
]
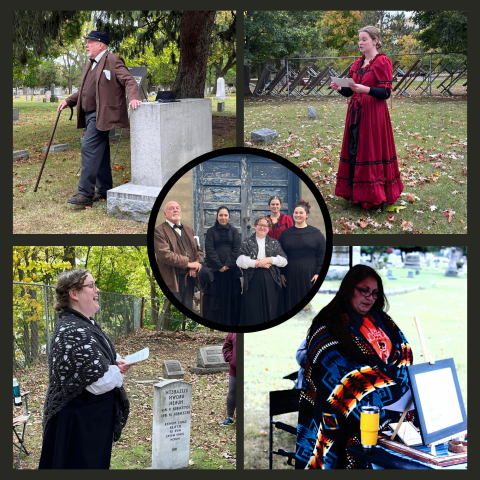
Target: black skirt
[
  {"x": 263, "y": 301},
  {"x": 80, "y": 435}
]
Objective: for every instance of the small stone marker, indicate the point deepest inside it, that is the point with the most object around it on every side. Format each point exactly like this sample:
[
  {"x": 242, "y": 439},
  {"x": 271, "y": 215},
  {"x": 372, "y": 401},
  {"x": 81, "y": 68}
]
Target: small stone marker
[
  {"x": 20, "y": 153},
  {"x": 16, "y": 116},
  {"x": 265, "y": 135},
  {"x": 410, "y": 274},
  {"x": 220, "y": 106},
  {"x": 173, "y": 369},
  {"x": 220, "y": 89},
  {"x": 18, "y": 96},
  {"x": 210, "y": 360},
  {"x": 60, "y": 147},
  {"x": 390, "y": 275},
  {"x": 417, "y": 272},
  {"x": 172, "y": 400},
  {"x": 312, "y": 113}
]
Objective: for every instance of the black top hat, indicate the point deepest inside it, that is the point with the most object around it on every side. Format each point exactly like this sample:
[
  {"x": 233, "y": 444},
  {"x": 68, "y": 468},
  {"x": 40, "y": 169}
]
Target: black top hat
[
  {"x": 205, "y": 276},
  {"x": 99, "y": 37}
]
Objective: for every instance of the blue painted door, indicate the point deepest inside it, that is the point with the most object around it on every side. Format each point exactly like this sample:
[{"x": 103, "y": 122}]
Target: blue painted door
[{"x": 243, "y": 183}]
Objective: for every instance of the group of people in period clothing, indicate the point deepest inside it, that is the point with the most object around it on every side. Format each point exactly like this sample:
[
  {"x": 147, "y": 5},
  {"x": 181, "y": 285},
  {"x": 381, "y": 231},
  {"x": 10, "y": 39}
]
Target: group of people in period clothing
[
  {"x": 279, "y": 263},
  {"x": 101, "y": 107}
]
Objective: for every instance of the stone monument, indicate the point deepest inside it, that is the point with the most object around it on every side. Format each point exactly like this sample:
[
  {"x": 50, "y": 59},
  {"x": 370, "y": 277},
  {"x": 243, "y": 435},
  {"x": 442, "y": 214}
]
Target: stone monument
[
  {"x": 312, "y": 113},
  {"x": 412, "y": 260},
  {"x": 455, "y": 256},
  {"x": 172, "y": 400},
  {"x": 164, "y": 137},
  {"x": 220, "y": 89},
  {"x": 263, "y": 135},
  {"x": 210, "y": 360},
  {"x": 53, "y": 96},
  {"x": 172, "y": 369},
  {"x": 16, "y": 116},
  {"x": 340, "y": 263}
]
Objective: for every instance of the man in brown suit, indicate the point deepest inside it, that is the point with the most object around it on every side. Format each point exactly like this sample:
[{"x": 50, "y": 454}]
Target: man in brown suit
[
  {"x": 101, "y": 107},
  {"x": 178, "y": 254}
]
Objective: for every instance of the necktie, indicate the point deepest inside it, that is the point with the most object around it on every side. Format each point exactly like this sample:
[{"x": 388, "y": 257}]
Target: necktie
[{"x": 178, "y": 226}]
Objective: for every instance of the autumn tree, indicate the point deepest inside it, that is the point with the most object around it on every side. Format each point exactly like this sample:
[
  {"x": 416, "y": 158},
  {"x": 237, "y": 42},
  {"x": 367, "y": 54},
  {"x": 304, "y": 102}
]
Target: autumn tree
[{"x": 340, "y": 30}]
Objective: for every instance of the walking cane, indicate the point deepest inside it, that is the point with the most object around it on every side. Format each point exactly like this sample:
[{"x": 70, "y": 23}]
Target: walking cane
[{"x": 49, "y": 144}]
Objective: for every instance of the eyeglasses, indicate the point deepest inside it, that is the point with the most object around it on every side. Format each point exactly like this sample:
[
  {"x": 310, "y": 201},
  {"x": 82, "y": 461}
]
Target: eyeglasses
[
  {"x": 92, "y": 285},
  {"x": 367, "y": 293},
  {"x": 263, "y": 226}
]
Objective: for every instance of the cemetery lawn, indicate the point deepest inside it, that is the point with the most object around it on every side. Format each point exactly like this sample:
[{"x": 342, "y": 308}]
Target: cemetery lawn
[
  {"x": 211, "y": 446},
  {"x": 270, "y": 355},
  {"x": 431, "y": 143},
  {"x": 47, "y": 211}
]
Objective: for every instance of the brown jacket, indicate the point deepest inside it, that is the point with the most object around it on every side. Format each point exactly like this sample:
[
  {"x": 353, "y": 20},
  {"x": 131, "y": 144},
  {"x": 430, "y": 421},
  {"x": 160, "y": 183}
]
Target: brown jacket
[
  {"x": 168, "y": 254},
  {"x": 111, "y": 102}
]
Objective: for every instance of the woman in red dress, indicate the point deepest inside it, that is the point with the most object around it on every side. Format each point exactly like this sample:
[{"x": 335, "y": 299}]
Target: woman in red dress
[
  {"x": 279, "y": 221},
  {"x": 368, "y": 172}
]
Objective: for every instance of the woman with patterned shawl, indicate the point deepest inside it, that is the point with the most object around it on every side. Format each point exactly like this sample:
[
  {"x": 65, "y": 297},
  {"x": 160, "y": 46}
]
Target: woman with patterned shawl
[
  {"x": 356, "y": 356},
  {"x": 86, "y": 406},
  {"x": 368, "y": 171}
]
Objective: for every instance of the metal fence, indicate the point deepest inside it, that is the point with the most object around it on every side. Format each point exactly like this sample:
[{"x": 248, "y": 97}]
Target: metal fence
[
  {"x": 34, "y": 318},
  {"x": 153, "y": 314},
  {"x": 414, "y": 75}
]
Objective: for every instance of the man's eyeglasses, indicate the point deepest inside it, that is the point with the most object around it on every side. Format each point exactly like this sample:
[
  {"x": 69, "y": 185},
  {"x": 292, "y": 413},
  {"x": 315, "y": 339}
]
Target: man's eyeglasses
[
  {"x": 92, "y": 285},
  {"x": 367, "y": 293},
  {"x": 263, "y": 226}
]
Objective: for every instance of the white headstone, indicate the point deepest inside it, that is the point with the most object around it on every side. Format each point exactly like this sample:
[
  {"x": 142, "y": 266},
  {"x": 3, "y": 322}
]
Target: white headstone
[
  {"x": 172, "y": 400},
  {"x": 220, "y": 89}
]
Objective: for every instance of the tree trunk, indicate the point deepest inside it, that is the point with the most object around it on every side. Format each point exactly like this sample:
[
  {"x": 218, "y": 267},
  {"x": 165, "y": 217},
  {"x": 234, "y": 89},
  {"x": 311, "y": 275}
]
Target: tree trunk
[
  {"x": 246, "y": 81},
  {"x": 195, "y": 37},
  {"x": 69, "y": 255},
  {"x": 166, "y": 317},
  {"x": 183, "y": 322}
]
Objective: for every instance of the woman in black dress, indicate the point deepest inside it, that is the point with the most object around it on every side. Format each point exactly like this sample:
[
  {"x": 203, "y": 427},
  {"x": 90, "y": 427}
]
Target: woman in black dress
[
  {"x": 305, "y": 249},
  {"x": 86, "y": 406},
  {"x": 222, "y": 297},
  {"x": 260, "y": 257}
]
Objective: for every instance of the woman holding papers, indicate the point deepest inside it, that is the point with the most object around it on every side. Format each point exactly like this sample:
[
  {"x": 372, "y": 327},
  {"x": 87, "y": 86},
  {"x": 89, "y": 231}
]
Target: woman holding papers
[
  {"x": 368, "y": 171},
  {"x": 86, "y": 406},
  {"x": 356, "y": 356}
]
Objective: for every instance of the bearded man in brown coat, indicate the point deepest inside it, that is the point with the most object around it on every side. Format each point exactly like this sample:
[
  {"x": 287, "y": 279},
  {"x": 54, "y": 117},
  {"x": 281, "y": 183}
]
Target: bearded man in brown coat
[
  {"x": 178, "y": 254},
  {"x": 101, "y": 107}
]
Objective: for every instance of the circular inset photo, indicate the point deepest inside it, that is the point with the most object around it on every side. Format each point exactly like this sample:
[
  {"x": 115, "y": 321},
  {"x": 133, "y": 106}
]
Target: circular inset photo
[{"x": 240, "y": 240}]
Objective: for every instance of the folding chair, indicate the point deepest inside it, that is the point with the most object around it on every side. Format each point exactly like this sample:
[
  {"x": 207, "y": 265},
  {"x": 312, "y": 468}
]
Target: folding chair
[
  {"x": 282, "y": 401},
  {"x": 18, "y": 422}
]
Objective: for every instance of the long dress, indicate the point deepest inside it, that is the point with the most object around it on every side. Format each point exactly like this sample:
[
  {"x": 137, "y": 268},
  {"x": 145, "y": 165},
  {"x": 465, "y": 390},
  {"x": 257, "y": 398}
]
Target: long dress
[
  {"x": 305, "y": 249},
  {"x": 368, "y": 171},
  {"x": 335, "y": 387},
  {"x": 222, "y": 297}
]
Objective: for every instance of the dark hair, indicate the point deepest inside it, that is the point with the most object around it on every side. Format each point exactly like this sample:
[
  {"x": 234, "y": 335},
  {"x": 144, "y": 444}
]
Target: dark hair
[
  {"x": 273, "y": 197},
  {"x": 331, "y": 315},
  {"x": 269, "y": 223},
  {"x": 68, "y": 280},
  {"x": 302, "y": 203},
  {"x": 218, "y": 211}
]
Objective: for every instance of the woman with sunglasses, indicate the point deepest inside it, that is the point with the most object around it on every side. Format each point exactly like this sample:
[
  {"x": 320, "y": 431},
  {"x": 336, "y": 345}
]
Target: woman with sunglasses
[
  {"x": 260, "y": 257},
  {"x": 356, "y": 356},
  {"x": 86, "y": 406},
  {"x": 280, "y": 221}
]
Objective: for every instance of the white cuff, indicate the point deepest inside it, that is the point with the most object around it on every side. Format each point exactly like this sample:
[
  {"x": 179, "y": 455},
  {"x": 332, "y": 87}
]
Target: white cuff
[
  {"x": 279, "y": 261},
  {"x": 245, "y": 262},
  {"x": 112, "y": 378}
]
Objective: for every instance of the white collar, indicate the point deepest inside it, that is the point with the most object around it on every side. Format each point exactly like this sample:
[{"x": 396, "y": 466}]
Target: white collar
[
  {"x": 170, "y": 223},
  {"x": 100, "y": 55}
]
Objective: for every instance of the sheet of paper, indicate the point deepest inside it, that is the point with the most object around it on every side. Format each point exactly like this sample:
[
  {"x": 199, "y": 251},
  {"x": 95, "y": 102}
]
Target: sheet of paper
[
  {"x": 407, "y": 433},
  {"x": 137, "y": 356},
  {"x": 341, "y": 82},
  {"x": 401, "y": 405}
]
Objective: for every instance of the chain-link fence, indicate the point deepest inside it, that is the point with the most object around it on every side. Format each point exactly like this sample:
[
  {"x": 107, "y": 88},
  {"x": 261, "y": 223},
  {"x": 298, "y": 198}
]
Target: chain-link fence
[
  {"x": 155, "y": 313},
  {"x": 34, "y": 318},
  {"x": 414, "y": 75}
]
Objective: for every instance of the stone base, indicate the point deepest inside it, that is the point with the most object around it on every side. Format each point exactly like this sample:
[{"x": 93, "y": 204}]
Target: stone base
[
  {"x": 221, "y": 98},
  {"x": 451, "y": 273},
  {"x": 133, "y": 202},
  {"x": 20, "y": 153},
  {"x": 206, "y": 371},
  {"x": 60, "y": 147},
  {"x": 173, "y": 375},
  {"x": 264, "y": 135}
]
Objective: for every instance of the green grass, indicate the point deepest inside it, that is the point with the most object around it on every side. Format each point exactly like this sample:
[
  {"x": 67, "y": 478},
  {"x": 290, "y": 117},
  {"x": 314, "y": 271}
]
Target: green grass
[
  {"x": 431, "y": 143},
  {"x": 46, "y": 211},
  {"x": 270, "y": 355}
]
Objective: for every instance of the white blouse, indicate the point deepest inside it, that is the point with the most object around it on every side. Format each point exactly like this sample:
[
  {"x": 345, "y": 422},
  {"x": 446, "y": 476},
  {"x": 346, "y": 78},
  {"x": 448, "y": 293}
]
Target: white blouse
[
  {"x": 246, "y": 262},
  {"x": 111, "y": 379}
]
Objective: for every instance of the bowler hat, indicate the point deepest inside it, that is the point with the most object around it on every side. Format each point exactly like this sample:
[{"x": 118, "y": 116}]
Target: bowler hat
[{"x": 99, "y": 37}]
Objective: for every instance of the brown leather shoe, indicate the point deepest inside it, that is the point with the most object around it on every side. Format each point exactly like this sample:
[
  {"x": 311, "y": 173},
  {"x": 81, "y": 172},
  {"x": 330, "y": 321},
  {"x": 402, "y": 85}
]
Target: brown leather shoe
[
  {"x": 81, "y": 200},
  {"x": 98, "y": 196}
]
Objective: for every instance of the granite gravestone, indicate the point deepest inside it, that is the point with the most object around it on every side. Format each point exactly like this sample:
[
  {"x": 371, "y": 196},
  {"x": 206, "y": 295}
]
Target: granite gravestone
[
  {"x": 16, "y": 116},
  {"x": 220, "y": 106},
  {"x": 164, "y": 137},
  {"x": 172, "y": 369},
  {"x": 220, "y": 89},
  {"x": 312, "y": 112},
  {"x": 210, "y": 360},
  {"x": 263, "y": 135},
  {"x": 412, "y": 260},
  {"x": 172, "y": 401}
]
